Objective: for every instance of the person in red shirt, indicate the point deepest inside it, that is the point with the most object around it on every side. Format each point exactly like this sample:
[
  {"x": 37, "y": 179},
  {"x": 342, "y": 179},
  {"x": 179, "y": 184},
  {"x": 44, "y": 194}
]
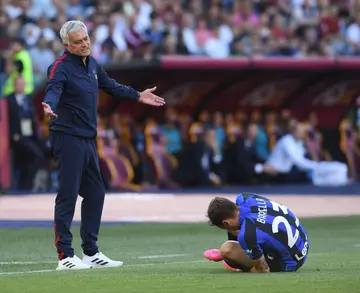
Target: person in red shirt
[{"x": 329, "y": 22}]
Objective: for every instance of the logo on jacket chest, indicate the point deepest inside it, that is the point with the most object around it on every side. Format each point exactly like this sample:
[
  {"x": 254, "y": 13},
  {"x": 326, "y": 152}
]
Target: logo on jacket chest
[{"x": 95, "y": 75}]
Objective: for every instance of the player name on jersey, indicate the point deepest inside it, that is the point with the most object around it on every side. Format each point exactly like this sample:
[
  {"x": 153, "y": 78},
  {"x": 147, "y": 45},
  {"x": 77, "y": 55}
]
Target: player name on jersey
[{"x": 262, "y": 210}]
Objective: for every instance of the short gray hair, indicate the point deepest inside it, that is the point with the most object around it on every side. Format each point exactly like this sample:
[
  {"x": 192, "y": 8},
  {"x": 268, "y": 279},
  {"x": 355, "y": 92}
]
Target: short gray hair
[{"x": 71, "y": 26}]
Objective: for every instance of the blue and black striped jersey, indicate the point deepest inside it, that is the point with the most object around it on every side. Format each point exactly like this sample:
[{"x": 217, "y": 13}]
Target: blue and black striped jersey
[{"x": 271, "y": 229}]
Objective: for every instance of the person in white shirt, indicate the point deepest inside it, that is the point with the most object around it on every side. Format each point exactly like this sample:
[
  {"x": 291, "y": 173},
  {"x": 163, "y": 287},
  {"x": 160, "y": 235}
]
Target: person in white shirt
[
  {"x": 216, "y": 47},
  {"x": 290, "y": 152},
  {"x": 353, "y": 35}
]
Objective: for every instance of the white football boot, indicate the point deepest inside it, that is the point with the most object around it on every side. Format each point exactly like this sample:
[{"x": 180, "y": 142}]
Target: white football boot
[
  {"x": 100, "y": 260},
  {"x": 72, "y": 263}
]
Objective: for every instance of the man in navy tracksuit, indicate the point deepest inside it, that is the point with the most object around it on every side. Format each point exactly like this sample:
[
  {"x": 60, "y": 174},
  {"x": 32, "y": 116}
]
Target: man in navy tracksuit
[{"x": 71, "y": 104}]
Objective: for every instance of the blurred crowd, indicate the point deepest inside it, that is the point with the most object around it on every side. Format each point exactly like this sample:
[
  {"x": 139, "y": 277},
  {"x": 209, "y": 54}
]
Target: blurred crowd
[{"x": 123, "y": 30}]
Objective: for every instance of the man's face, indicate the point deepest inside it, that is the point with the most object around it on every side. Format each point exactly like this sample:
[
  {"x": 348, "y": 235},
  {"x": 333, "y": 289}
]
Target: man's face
[
  {"x": 16, "y": 47},
  {"x": 210, "y": 136},
  {"x": 19, "y": 85},
  {"x": 252, "y": 132},
  {"x": 299, "y": 132},
  {"x": 79, "y": 43}
]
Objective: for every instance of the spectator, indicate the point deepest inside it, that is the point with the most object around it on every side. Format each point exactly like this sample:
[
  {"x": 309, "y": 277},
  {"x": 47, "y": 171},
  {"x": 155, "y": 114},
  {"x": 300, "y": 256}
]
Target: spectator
[
  {"x": 19, "y": 63},
  {"x": 199, "y": 163},
  {"x": 218, "y": 124},
  {"x": 289, "y": 160},
  {"x": 73, "y": 9},
  {"x": 31, "y": 32},
  {"x": 243, "y": 14},
  {"x": 42, "y": 56},
  {"x": 202, "y": 33},
  {"x": 329, "y": 22},
  {"x": 353, "y": 35},
  {"x": 243, "y": 166},
  {"x": 216, "y": 47},
  {"x": 43, "y": 8},
  {"x": 306, "y": 15},
  {"x": 23, "y": 135},
  {"x": 171, "y": 132}
]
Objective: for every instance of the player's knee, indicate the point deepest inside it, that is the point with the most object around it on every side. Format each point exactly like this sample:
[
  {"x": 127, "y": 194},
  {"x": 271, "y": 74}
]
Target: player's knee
[{"x": 227, "y": 247}]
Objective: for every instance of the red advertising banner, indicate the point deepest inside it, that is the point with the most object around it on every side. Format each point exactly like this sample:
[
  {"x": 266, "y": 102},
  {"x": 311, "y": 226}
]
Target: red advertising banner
[{"x": 5, "y": 179}]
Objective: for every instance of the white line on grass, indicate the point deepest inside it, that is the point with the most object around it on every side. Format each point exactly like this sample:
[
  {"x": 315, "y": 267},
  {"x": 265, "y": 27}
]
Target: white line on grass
[
  {"x": 162, "y": 256},
  {"x": 135, "y": 265},
  {"x": 25, "y": 262},
  {"x": 26, "y": 272},
  {"x": 54, "y": 262}
]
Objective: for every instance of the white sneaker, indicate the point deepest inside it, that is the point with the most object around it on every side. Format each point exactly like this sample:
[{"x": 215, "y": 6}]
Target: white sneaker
[
  {"x": 72, "y": 263},
  {"x": 100, "y": 260}
]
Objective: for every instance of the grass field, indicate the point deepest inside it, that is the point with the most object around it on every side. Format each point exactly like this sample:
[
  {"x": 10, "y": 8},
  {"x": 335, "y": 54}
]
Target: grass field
[{"x": 169, "y": 258}]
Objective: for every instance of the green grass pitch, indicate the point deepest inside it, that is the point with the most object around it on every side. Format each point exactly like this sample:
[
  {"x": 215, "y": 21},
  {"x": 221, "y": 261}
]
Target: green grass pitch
[{"x": 169, "y": 258}]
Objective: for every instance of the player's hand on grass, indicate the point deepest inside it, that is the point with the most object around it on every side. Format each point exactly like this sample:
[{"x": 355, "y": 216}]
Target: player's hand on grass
[
  {"x": 147, "y": 97},
  {"x": 261, "y": 266},
  {"x": 48, "y": 112}
]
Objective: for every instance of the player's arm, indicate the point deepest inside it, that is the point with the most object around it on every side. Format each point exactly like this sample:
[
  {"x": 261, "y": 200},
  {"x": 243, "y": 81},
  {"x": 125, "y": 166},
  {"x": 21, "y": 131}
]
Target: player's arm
[
  {"x": 249, "y": 240},
  {"x": 57, "y": 76},
  {"x": 110, "y": 86},
  {"x": 297, "y": 158}
]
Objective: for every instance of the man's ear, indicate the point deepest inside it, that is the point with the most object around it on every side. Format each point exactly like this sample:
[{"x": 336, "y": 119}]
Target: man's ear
[{"x": 225, "y": 224}]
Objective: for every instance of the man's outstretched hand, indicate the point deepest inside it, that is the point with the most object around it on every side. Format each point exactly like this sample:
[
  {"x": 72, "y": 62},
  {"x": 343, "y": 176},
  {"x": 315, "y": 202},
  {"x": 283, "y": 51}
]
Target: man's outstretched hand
[
  {"x": 147, "y": 97},
  {"x": 48, "y": 112}
]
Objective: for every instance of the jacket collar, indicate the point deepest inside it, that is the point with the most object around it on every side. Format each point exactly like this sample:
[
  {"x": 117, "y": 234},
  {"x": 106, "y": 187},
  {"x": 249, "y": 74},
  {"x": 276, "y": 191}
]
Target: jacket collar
[{"x": 75, "y": 58}]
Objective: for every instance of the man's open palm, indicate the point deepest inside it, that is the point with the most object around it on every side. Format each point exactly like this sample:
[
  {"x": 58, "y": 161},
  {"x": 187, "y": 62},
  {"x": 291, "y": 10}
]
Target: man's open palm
[
  {"x": 147, "y": 97},
  {"x": 48, "y": 112}
]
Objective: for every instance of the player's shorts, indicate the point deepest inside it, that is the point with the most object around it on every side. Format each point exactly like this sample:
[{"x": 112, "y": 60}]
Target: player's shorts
[{"x": 282, "y": 265}]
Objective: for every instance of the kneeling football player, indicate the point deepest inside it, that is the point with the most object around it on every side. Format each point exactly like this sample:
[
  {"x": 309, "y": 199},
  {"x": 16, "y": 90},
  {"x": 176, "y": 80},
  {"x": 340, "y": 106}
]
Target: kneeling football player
[{"x": 263, "y": 236}]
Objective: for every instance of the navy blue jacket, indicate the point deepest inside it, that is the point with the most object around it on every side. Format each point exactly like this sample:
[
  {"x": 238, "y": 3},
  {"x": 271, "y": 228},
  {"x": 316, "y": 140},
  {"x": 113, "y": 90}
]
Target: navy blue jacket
[{"x": 72, "y": 93}]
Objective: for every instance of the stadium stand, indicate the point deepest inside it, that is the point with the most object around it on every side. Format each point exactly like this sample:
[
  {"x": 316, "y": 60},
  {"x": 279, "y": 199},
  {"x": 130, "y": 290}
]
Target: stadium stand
[{"x": 137, "y": 152}]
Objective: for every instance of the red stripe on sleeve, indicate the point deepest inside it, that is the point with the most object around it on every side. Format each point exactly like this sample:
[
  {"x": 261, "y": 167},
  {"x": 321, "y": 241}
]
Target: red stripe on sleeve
[{"x": 57, "y": 62}]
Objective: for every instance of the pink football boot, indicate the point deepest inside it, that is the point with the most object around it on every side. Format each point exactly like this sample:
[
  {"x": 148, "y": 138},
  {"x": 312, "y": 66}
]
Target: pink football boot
[{"x": 213, "y": 254}]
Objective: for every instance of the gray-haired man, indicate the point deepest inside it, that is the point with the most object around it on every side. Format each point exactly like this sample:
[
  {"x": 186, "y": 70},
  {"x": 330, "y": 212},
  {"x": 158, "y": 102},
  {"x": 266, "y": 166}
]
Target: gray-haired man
[{"x": 72, "y": 93}]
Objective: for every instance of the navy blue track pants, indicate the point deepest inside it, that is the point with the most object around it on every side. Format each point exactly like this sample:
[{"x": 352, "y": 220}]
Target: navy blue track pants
[{"x": 79, "y": 174}]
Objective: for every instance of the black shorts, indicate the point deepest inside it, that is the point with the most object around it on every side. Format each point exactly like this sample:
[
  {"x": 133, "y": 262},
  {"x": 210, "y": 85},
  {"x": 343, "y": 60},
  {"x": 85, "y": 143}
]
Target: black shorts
[{"x": 279, "y": 265}]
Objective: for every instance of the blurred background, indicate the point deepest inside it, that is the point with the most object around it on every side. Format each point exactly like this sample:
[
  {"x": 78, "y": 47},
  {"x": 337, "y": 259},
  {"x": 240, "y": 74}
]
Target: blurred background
[{"x": 237, "y": 75}]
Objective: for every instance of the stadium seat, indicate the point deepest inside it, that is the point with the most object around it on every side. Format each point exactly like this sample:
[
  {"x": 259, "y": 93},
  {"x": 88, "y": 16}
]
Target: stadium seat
[
  {"x": 159, "y": 162},
  {"x": 127, "y": 150},
  {"x": 117, "y": 165}
]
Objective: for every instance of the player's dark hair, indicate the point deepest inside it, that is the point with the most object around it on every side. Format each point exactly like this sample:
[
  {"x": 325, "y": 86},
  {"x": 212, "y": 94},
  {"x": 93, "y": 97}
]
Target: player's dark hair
[{"x": 220, "y": 209}]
